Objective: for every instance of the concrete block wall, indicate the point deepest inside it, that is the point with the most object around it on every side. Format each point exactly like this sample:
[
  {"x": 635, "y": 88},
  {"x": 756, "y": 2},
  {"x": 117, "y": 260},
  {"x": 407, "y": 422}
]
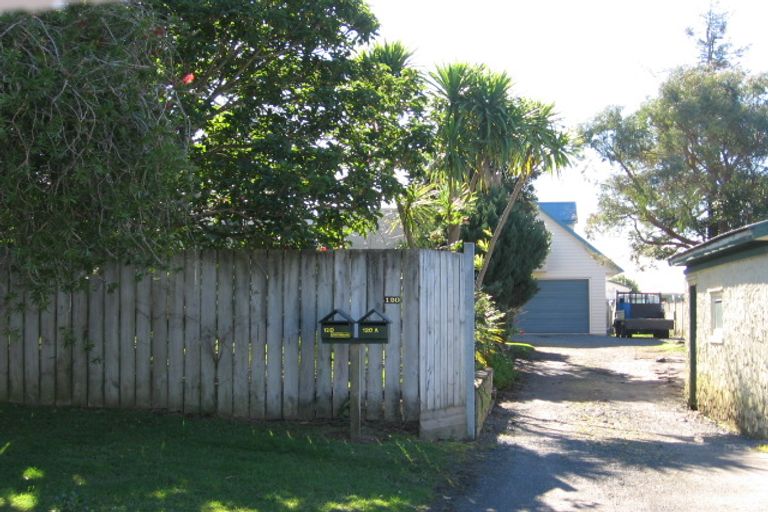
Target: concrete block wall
[{"x": 733, "y": 361}]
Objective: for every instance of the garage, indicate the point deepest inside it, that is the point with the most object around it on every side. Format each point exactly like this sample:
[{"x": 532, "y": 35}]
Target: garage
[{"x": 560, "y": 306}]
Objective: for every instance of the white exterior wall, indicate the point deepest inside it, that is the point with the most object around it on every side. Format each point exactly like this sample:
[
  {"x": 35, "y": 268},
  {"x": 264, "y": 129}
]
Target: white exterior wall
[
  {"x": 569, "y": 259},
  {"x": 732, "y": 364}
]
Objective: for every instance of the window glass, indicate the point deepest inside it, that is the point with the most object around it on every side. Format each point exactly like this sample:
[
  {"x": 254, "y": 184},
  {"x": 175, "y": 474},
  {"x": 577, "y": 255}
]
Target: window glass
[{"x": 717, "y": 311}]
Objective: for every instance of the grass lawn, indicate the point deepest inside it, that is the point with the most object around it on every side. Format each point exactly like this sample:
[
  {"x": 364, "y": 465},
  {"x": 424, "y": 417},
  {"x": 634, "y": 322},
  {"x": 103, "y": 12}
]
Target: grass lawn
[{"x": 84, "y": 460}]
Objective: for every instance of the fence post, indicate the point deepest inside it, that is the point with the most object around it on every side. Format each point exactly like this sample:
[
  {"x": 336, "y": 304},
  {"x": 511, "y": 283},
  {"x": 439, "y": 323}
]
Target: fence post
[{"x": 469, "y": 334}]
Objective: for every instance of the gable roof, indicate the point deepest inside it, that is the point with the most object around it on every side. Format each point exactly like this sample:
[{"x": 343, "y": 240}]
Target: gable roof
[
  {"x": 564, "y": 215},
  {"x": 563, "y": 212},
  {"x": 752, "y": 238}
]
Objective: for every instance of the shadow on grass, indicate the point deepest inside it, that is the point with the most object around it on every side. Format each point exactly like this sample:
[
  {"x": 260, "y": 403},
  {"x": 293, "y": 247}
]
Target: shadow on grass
[{"x": 70, "y": 459}]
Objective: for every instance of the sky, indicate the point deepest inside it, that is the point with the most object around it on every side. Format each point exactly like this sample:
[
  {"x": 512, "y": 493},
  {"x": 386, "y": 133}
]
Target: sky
[{"x": 583, "y": 56}]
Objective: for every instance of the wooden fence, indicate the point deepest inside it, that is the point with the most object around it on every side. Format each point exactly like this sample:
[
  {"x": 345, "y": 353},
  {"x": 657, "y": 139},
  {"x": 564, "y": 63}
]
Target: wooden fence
[{"x": 236, "y": 334}]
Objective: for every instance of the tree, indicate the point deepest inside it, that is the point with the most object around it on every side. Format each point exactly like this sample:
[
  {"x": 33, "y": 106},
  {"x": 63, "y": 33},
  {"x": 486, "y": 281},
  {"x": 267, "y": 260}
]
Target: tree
[
  {"x": 296, "y": 137},
  {"x": 714, "y": 51},
  {"x": 522, "y": 247},
  {"x": 486, "y": 135},
  {"x": 626, "y": 281},
  {"x": 541, "y": 147},
  {"x": 93, "y": 163},
  {"x": 692, "y": 162},
  {"x": 475, "y": 129}
]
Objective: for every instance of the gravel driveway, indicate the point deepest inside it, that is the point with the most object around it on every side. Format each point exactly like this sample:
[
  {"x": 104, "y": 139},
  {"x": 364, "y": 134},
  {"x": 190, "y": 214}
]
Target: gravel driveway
[{"x": 599, "y": 423}]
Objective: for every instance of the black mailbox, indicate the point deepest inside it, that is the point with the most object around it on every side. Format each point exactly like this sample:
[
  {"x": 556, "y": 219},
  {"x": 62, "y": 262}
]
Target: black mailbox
[
  {"x": 336, "y": 327},
  {"x": 374, "y": 327}
]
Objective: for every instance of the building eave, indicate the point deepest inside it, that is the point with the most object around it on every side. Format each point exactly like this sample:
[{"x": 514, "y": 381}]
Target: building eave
[
  {"x": 739, "y": 240},
  {"x": 611, "y": 267}
]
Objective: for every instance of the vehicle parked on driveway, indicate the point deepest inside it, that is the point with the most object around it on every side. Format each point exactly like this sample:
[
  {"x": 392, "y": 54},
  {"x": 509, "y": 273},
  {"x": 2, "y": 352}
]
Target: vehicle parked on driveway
[{"x": 640, "y": 313}]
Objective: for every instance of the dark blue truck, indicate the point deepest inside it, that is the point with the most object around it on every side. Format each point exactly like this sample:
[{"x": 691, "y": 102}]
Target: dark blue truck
[{"x": 640, "y": 313}]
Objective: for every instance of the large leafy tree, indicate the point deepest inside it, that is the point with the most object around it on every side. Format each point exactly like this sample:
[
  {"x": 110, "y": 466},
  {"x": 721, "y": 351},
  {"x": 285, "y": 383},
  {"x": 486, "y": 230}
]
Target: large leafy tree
[
  {"x": 522, "y": 246},
  {"x": 293, "y": 129},
  {"x": 93, "y": 161},
  {"x": 692, "y": 161}
]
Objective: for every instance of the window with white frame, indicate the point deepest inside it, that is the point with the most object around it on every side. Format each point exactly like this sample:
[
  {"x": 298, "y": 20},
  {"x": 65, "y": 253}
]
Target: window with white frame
[{"x": 716, "y": 311}]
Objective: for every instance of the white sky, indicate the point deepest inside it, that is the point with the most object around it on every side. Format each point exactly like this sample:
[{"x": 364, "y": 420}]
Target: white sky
[{"x": 580, "y": 55}]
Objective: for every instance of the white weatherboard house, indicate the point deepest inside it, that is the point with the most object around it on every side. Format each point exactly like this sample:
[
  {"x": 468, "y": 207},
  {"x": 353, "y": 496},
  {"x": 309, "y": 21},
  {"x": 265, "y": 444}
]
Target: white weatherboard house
[
  {"x": 572, "y": 280},
  {"x": 728, "y": 338}
]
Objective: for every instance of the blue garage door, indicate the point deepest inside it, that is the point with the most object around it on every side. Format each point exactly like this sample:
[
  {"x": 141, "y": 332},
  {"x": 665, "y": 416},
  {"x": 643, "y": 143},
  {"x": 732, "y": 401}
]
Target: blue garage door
[{"x": 560, "y": 306}]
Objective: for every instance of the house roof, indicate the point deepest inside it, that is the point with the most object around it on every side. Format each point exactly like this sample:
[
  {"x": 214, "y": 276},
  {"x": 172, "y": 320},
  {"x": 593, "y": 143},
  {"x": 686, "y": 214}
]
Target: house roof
[
  {"x": 752, "y": 238},
  {"x": 564, "y": 215},
  {"x": 563, "y": 212}
]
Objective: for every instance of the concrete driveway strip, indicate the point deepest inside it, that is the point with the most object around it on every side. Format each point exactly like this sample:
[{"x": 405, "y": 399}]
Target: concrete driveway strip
[{"x": 599, "y": 423}]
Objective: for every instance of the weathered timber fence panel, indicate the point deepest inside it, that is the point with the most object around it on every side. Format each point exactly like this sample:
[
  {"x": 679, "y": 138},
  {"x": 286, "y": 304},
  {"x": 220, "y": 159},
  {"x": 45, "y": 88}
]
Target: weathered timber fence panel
[{"x": 236, "y": 334}]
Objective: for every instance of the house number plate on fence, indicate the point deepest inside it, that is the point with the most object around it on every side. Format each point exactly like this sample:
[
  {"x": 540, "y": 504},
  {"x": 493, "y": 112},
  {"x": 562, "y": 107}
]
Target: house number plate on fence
[{"x": 392, "y": 299}]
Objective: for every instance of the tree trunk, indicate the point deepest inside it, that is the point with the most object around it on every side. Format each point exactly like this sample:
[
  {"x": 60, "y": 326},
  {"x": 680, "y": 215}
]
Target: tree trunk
[
  {"x": 406, "y": 226},
  {"x": 499, "y": 227}
]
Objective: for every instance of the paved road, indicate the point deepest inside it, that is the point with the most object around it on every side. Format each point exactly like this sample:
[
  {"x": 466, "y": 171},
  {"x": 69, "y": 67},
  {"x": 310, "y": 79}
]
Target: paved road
[{"x": 599, "y": 424}]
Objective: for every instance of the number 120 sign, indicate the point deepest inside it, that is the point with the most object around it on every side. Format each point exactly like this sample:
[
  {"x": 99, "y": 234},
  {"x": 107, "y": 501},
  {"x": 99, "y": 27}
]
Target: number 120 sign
[{"x": 392, "y": 299}]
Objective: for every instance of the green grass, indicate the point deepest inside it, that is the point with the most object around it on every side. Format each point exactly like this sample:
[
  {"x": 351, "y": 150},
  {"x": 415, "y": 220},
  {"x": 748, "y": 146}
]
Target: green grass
[
  {"x": 83, "y": 460},
  {"x": 763, "y": 448}
]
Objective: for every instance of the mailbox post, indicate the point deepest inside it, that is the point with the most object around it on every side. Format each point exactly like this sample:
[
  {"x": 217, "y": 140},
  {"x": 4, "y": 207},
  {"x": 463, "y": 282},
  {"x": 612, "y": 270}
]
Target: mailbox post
[{"x": 339, "y": 327}]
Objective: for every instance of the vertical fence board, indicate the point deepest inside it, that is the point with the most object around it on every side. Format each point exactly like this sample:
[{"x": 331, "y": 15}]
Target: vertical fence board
[
  {"x": 143, "y": 341},
  {"x": 258, "y": 318},
  {"x": 442, "y": 322},
  {"x": 95, "y": 339},
  {"x": 374, "y": 395},
  {"x": 392, "y": 361},
  {"x": 358, "y": 296},
  {"x": 176, "y": 336},
  {"x": 159, "y": 296},
  {"x": 48, "y": 352},
  {"x": 291, "y": 319},
  {"x": 324, "y": 378},
  {"x": 16, "y": 343},
  {"x": 308, "y": 279},
  {"x": 341, "y": 292},
  {"x": 192, "y": 364},
  {"x": 454, "y": 334},
  {"x": 411, "y": 331},
  {"x": 462, "y": 333},
  {"x": 426, "y": 327},
  {"x": 457, "y": 333},
  {"x": 241, "y": 362},
  {"x": 225, "y": 333},
  {"x": 31, "y": 351},
  {"x": 111, "y": 337},
  {"x": 127, "y": 336},
  {"x": 274, "y": 334},
  {"x": 208, "y": 352},
  {"x": 80, "y": 348},
  {"x": 4, "y": 310},
  {"x": 64, "y": 348}
]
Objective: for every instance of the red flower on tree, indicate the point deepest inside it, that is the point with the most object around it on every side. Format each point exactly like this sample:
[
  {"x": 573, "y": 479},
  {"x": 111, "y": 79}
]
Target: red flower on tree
[{"x": 188, "y": 78}]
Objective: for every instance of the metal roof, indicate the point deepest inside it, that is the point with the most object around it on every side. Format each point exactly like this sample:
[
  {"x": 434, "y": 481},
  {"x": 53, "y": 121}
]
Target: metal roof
[
  {"x": 563, "y": 212},
  {"x": 738, "y": 240}
]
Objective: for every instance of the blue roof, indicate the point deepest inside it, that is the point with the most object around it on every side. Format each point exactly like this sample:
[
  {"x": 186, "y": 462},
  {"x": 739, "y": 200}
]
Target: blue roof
[{"x": 563, "y": 212}]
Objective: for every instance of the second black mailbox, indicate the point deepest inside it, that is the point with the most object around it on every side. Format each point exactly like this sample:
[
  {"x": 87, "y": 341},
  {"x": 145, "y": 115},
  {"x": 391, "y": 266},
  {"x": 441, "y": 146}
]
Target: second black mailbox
[{"x": 374, "y": 327}]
